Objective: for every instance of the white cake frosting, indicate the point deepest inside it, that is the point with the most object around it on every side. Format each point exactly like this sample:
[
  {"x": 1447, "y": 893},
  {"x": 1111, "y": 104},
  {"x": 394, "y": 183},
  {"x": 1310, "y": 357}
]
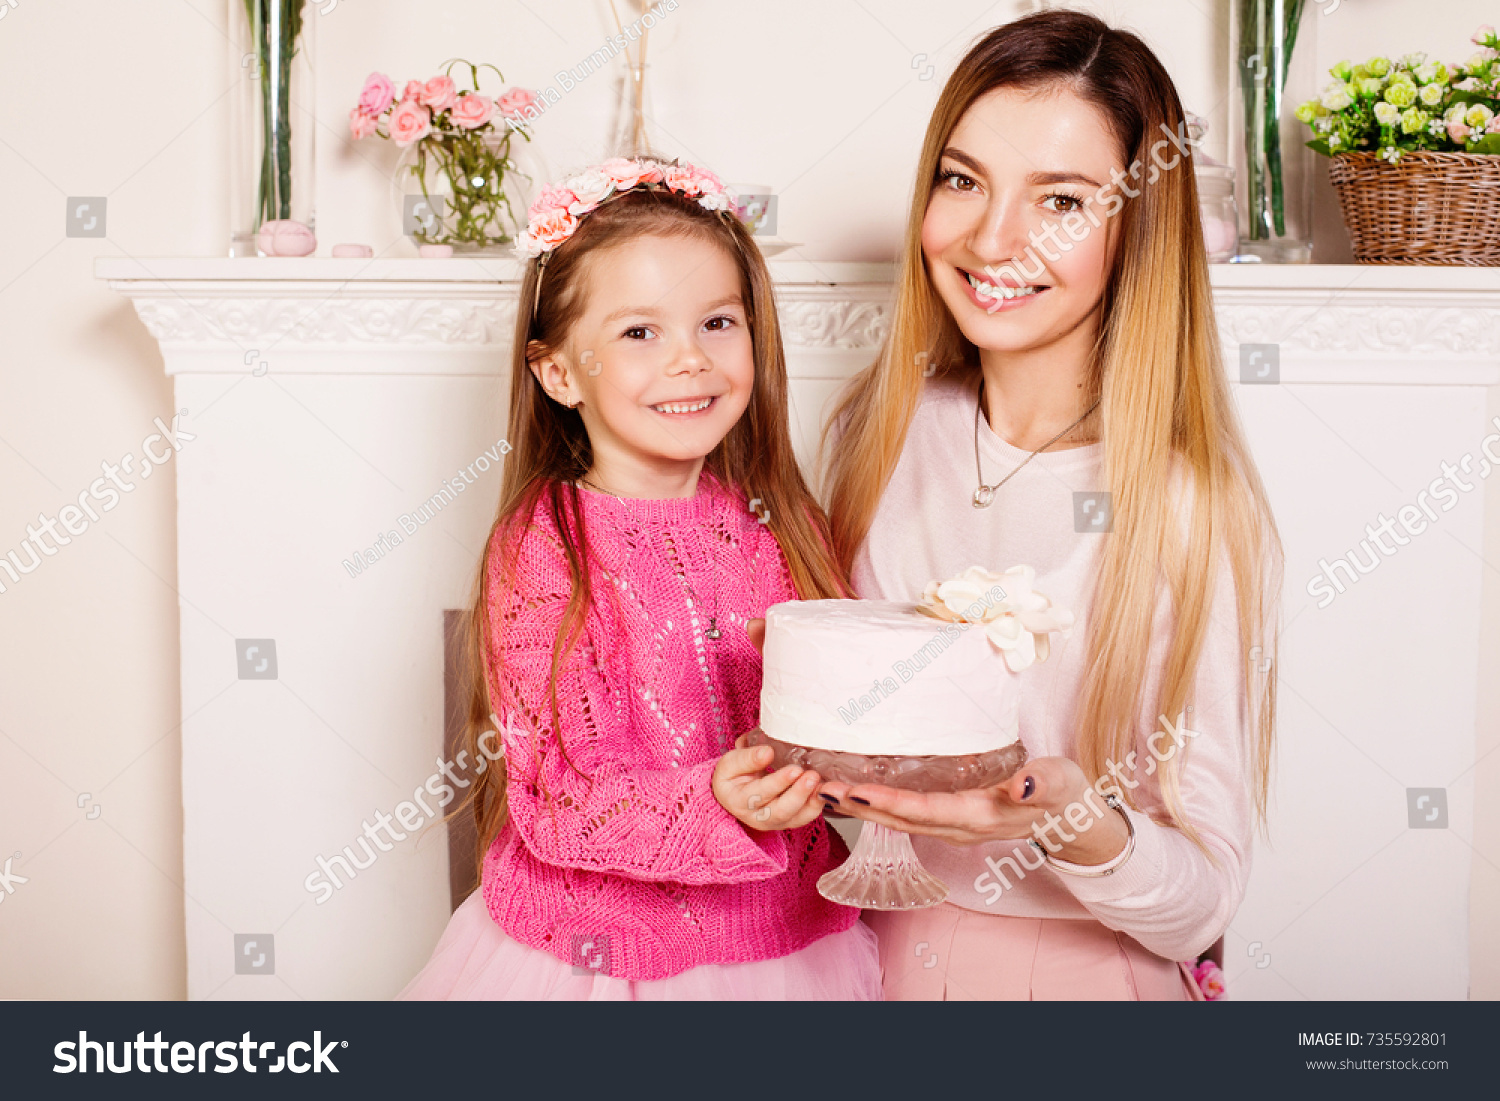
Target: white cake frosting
[{"x": 879, "y": 677}]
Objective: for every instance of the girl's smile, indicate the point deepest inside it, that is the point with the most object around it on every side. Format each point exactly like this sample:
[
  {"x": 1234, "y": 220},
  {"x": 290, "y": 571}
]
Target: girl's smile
[{"x": 689, "y": 407}]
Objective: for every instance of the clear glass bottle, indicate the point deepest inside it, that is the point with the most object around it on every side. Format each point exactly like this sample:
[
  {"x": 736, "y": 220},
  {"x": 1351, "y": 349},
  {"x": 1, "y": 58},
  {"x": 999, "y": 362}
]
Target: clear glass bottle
[
  {"x": 271, "y": 170},
  {"x": 1272, "y": 69}
]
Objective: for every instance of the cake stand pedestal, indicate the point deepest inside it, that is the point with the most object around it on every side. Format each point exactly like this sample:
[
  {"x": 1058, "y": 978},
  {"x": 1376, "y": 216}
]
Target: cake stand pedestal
[{"x": 883, "y": 872}]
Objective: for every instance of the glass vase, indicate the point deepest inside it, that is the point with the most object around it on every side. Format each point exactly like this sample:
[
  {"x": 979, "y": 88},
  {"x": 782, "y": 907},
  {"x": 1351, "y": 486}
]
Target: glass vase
[
  {"x": 271, "y": 117},
  {"x": 466, "y": 178},
  {"x": 1272, "y": 69}
]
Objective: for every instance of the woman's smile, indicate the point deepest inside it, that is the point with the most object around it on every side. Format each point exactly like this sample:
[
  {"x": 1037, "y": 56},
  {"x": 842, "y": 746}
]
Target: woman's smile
[{"x": 998, "y": 298}]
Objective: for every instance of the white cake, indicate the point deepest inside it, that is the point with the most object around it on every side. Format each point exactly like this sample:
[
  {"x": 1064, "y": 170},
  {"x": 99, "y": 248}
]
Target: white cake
[{"x": 880, "y": 678}]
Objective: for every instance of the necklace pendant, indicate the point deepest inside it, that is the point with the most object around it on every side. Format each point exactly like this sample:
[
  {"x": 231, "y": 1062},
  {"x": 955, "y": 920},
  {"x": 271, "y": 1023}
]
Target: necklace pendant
[
  {"x": 713, "y": 630},
  {"x": 983, "y": 496}
]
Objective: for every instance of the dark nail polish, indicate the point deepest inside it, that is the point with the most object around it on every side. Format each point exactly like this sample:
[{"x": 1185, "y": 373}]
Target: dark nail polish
[
  {"x": 1028, "y": 789},
  {"x": 861, "y": 802},
  {"x": 829, "y": 798}
]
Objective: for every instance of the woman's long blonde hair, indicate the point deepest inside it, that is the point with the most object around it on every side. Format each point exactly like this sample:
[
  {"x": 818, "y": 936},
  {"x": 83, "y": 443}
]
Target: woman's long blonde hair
[{"x": 1157, "y": 371}]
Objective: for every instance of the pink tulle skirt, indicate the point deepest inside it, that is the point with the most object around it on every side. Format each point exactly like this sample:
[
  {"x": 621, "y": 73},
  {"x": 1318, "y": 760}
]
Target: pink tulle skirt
[{"x": 476, "y": 961}]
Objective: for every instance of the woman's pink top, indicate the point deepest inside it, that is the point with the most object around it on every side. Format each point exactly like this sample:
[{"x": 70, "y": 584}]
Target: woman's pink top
[
  {"x": 1167, "y": 895},
  {"x": 634, "y": 868}
]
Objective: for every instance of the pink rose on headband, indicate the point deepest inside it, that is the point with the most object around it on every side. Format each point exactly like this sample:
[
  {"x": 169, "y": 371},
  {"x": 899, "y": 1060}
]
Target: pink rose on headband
[
  {"x": 413, "y": 90},
  {"x": 627, "y": 173},
  {"x": 515, "y": 102},
  {"x": 410, "y": 122},
  {"x": 589, "y": 188},
  {"x": 438, "y": 93},
  {"x": 361, "y": 125},
  {"x": 472, "y": 111},
  {"x": 551, "y": 198},
  {"x": 377, "y": 96},
  {"x": 688, "y": 179},
  {"x": 547, "y": 230}
]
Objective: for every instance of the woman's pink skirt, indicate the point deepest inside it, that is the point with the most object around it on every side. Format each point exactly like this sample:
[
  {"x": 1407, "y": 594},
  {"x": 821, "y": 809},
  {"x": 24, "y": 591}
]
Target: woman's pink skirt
[
  {"x": 476, "y": 961},
  {"x": 948, "y": 953}
]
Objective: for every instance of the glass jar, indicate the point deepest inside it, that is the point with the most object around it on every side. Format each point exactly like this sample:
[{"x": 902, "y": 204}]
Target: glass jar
[{"x": 1217, "y": 211}]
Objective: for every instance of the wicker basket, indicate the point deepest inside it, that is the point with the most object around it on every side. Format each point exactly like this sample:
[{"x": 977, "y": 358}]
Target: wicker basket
[{"x": 1427, "y": 208}]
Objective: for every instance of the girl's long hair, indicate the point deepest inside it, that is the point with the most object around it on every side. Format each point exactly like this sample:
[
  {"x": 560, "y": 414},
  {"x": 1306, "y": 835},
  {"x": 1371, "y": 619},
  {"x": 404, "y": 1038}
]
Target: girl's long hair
[
  {"x": 550, "y": 450},
  {"x": 1157, "y": 371}
]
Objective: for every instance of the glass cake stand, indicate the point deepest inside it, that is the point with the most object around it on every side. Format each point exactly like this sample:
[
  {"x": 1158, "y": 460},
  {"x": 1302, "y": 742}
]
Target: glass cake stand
[{"x": 883, "y": 872}]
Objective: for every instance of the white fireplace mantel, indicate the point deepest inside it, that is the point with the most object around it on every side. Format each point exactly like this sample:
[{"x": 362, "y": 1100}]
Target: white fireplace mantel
[
  {"x": 330, "y": 398},
  {"x": 1335, "y": 323}
]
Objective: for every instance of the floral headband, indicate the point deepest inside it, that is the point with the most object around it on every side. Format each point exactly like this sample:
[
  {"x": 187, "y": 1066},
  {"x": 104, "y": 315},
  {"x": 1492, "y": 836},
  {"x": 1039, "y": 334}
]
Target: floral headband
[{"x": 555, "y": 215}]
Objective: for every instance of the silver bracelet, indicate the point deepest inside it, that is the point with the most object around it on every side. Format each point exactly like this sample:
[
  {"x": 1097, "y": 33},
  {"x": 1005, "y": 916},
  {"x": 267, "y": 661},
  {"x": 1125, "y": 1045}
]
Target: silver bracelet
[{"x": 1089, "y": 871}]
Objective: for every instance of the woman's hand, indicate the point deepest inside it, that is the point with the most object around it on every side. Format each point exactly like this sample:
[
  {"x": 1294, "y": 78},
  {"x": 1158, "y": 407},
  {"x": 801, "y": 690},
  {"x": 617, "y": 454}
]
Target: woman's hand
[
  {"x": 1035, "y": 802},
  {"x": 782, "y": 800}
]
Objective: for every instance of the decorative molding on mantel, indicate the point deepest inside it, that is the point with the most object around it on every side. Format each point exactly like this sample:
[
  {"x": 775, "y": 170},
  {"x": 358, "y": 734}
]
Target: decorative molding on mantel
[
  {"x": 1369, "y": 335},
  {"x": 837, "y": 318},
  {"x": 295, "y": 315},
  {"x": 1334, "y": 324}
]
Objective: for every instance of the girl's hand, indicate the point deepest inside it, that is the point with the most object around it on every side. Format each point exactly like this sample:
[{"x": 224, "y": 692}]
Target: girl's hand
[
  {"x": 1038, "y": 795},
  {"x": 782, "y": 800}
]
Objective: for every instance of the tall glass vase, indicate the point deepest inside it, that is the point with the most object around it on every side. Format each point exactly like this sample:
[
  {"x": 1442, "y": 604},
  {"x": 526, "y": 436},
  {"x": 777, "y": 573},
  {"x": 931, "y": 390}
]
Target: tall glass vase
[
  {"x": 272, "y": 121},
  {"x": 1272, "y": 69}
]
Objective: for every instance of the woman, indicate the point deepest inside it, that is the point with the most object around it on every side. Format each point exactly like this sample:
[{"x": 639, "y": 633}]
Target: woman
[{"x": 1051, "y": 394}]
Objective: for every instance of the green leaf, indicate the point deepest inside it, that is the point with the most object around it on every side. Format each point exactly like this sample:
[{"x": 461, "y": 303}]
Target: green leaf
[
  {"x": 1320, "y": 145},
  {"x": 1458, "y": 95},
  {"x": 1489, "y": 145}
]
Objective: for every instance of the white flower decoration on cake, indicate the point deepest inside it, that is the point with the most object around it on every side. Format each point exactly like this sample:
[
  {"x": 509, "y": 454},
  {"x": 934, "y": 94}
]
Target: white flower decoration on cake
[{"x": 1017, "y": 619}]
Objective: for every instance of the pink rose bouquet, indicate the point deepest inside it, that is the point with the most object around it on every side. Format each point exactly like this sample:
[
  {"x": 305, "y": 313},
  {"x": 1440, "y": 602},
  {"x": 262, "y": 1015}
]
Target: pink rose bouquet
[{"x": 458, "y": 134}]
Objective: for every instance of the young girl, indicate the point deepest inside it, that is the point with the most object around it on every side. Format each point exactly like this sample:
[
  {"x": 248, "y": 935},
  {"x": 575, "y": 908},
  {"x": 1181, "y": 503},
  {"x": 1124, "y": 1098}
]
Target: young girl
[
  {"x": 1077, "y": 420},
  {"x": 632, "y": 846}
]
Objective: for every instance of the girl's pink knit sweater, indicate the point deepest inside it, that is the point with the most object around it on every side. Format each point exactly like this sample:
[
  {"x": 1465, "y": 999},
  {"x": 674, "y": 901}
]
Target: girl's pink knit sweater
[{"x": 633, "y": 868}]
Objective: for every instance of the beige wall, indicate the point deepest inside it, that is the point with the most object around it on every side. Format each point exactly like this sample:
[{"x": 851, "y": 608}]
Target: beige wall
[{"x": 130, "y": 102}]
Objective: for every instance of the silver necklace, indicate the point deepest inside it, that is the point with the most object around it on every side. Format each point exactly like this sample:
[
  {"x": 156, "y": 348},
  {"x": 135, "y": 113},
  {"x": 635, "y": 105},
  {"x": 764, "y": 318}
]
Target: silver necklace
[
  {"x": 986, "y": 493},
  {"x": 713, "y": 631}
]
